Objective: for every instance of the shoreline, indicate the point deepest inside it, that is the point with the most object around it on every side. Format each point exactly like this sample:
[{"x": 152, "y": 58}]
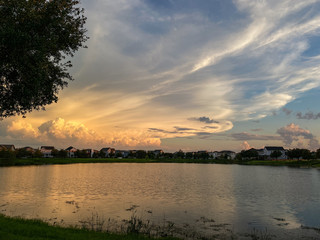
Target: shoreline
[
  {"x": 12, "y": 228},
  {"x": 54, "y": 161}
]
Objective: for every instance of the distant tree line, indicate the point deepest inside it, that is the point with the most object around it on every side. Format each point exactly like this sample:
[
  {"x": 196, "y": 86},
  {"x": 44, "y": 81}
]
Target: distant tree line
[
  {"x": 294, "y": 154},
  {"x": 244, "y": 155}
]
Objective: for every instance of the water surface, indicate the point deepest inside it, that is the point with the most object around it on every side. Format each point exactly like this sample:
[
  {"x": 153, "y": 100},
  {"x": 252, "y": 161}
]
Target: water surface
[{"x": 247, "y": 197}]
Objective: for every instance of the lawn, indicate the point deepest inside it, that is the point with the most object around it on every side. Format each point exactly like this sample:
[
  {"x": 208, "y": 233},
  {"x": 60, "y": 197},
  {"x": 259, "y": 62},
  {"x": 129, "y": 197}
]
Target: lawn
[{"x": 23, "y": 229}]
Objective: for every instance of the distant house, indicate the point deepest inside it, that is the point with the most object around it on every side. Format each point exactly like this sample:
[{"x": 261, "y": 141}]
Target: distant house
[
  {"x": 71, "y": 151},
  {"x": 158, "y": 153},
  {"x": 214, "y": 154},
  {"x": 7, "y": 147},
  {"x": 47, "y": 151},
  {"x": 108, "y": 151},
  {"x": 228, "y": 154},
  {"x": 122, "y": 153},
  {"x": 268, "y": 150},
  {"x": 260, "y": 152},
  {"x": 89, "y": 152},
  {"x": 29, "y": 149}
]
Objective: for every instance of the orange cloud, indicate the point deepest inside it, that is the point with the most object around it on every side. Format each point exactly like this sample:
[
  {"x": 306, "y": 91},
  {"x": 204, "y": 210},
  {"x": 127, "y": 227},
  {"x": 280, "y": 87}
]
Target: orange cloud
[
  {"x": 61, "y": 133},
  {"x": 245, "y": 145},
  {"x": 22, "y": 129}
]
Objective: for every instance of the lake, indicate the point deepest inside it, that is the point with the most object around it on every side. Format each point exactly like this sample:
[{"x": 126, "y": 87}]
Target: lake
[{"x": 243, "y": 198}]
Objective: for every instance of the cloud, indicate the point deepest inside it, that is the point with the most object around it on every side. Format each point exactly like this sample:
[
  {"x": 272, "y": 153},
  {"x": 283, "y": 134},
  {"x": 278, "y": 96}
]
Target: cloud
[
  {"x": 244, "y": 136},
  {"x": 204, "y": 120},
  {"x": 245, "y": 145},
  {"x": 244, "y": 62},
  {"x": 256, "y": 130},
  {"x": 309, "y": 115},
  {"x": 287, "y": 111},
  {"x": 22, "y": 129},
  {"x": 292, "y": 133},
  {"x": 181, "y": 129},
  {"x": 153, "y": 67},
  {"x": 62, "y": 133}
]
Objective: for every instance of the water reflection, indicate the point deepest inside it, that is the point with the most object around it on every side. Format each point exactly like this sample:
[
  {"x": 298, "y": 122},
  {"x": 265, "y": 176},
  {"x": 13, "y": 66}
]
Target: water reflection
[{"x": 244, "y": 196}]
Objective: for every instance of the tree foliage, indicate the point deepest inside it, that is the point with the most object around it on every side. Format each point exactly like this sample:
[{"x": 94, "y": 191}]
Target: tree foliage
[
  {"x": 275, "y": 154},
  {"x": 248, "y": 154},
  {"x": 36, "y": 37},
  {"x": 299, "y": 153}
]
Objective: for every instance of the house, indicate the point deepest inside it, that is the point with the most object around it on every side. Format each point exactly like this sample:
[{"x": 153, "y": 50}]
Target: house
[
  {"x": 268, "y": 150},
  {"x": 7, "y": 147},
  {"x": 89, "y": 152},
  {"x": 29, "y": 149},
  {"x": 47, "y": 151},
  {"x": 122, "y": 153},
  {"x": 227, "y": 154},
  {"x": 158, "y": 153},
  {"x": 71, "y": 151},
  {"x": 213, "y": 155},
  {"x": 108, "y": 151}
]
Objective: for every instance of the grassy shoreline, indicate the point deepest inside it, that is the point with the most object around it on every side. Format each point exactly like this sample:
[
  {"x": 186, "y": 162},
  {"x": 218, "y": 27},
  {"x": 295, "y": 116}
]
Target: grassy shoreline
[
  {"x": 12, "y": 228},
  {"x": 50, "y": 161}
]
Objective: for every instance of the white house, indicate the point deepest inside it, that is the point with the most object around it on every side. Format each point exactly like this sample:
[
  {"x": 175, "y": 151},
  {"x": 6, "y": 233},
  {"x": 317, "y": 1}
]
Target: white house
[
  {"x": 214, "y": 154},
  {"x": 71, "y": 151},
  {"x": 47, "y": 151},
  {"x": 108, "y": 151},
  {"x": 268, "y": 150},
  {"x": 228, "y": 154}
]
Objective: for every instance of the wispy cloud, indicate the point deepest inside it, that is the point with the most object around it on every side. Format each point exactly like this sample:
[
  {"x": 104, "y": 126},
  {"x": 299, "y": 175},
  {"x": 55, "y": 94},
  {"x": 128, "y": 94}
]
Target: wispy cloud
[
  {"x": 204, "y": 120},
  {"x": 244, "y": 136},
  {"x": 308, "y": 115},
  {"x": 286, "y": 111},
  {"x": 152, "y": 65},
  {"x": 256, "y": 130}
]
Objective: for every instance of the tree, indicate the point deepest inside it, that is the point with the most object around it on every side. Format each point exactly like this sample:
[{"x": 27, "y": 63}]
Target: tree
[
  {"x": 189, "y": 155},
  {"x": 37, "y": 154},
  {"x": 151, "y": 155},
  {"x": 23, "y": 153},
  {"x": 63, "y": 153},
  {"x": 275, "y": 154},
  {"x": 204, "y": 155},
  {"x": 141, "y": 154},
  {"x": 298, "y": 153},
  {"x": 179, "y": 154},
  {"x": 35, "y": 39},
  {"x": 55, "y": 152},
  {"x": 318, "y": 153}
]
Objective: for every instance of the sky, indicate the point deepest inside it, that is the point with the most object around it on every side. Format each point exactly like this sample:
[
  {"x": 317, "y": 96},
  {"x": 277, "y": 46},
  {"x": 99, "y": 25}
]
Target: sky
[{"x": 183, "y": 74}]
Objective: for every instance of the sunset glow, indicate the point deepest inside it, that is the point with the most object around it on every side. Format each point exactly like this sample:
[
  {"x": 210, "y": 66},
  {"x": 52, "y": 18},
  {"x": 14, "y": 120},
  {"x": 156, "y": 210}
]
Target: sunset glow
[{"x": 191, "y": 75}]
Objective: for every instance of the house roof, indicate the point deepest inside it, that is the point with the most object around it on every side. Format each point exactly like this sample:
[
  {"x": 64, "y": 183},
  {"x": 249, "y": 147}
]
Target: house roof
[
  {"x": 226, "y": 151},
  {"x": 272, "y": 148},
  {"x": 47, "y": 147},
  {"x": 107, "y": 149},
  {"x": 69, "y": 148},
  {"x": 7, "y": 146}
]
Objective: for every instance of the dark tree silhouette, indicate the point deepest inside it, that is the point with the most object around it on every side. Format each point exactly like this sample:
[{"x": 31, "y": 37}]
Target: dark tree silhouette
[
  {"x": 275, "y": 154},
  {"x": 36, "y": 36}
]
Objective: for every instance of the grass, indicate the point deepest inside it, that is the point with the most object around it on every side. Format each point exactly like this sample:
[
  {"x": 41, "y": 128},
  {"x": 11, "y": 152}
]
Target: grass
[
  {"x": 47, "y": 161},
  {"x": 13, "y": 228},
  {"x": 289, "y": 163}
]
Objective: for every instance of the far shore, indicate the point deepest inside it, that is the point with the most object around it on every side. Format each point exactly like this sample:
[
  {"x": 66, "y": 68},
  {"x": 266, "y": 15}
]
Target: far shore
[{"x": 315, "y": 163}]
